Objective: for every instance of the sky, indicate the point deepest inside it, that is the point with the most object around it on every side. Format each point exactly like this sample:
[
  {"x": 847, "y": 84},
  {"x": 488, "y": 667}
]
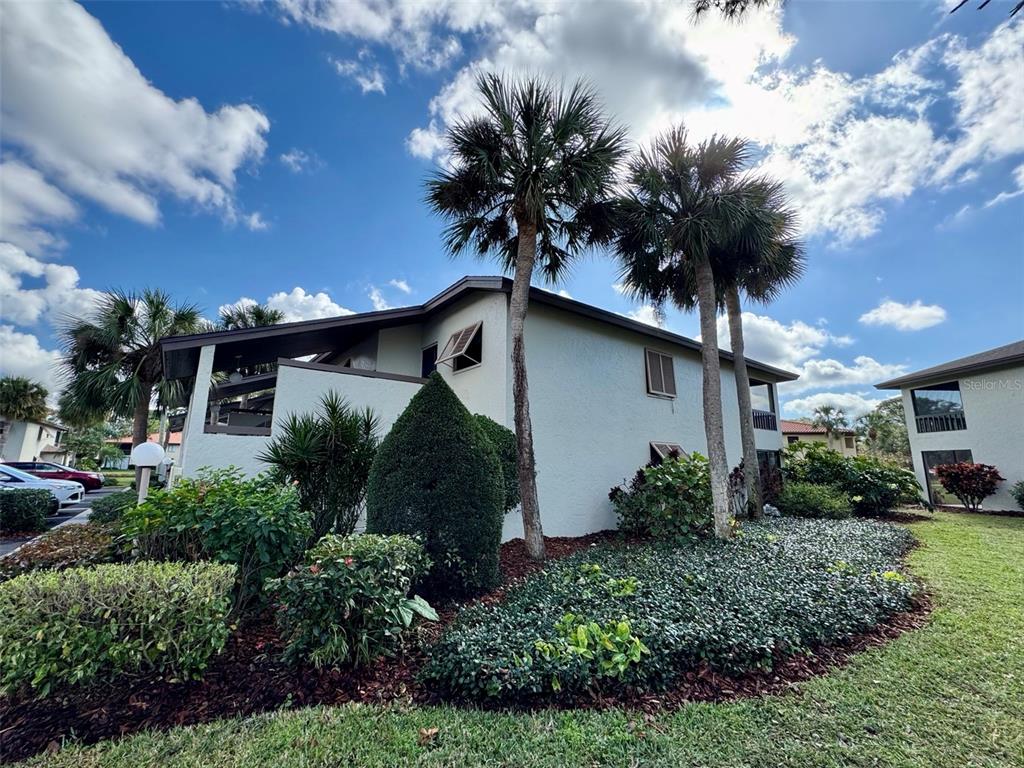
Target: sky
[{"x": 277, "y": 152}]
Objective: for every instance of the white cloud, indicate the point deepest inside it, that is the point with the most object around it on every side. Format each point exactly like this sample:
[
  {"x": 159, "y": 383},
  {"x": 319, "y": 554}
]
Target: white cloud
[
  {"x": 1002, "y": 197},
  {"x": 255, "y": 222},
  {"x": 84, "y": 116},
  {"x": 401, "y": 285},
  {"x": 299, "y": 305},
  {"x": 297, "y": 160},
  {"x": 377, "y": 299},
  {"x": 853, "y": 404},
  {"x": 28, "y": 203},
  {"x": 647, "y": 315},
  {"x": 366, "y": 73},
  {"x": 234, "y": 306},
  {"x": 24, "y": 356},
  {"x": 818, "y": 373},
  {"x": 58, "y": 296},
  {"x": 905, "y": 317}
]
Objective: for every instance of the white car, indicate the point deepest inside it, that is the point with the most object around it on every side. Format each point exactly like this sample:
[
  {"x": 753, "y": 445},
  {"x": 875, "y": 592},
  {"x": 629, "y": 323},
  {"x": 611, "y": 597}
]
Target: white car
[{"x": 66, "y": 491}]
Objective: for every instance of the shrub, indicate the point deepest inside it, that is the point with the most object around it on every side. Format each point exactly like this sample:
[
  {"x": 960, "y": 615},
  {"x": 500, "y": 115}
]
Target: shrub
[
  {"x": 253, "y": 524},
  {"x": 109, "y": 509},
  {"x": 328, "y": 456},
  {"x": 668, "y": 501},
  {"x": 970, "y": 483},
  {"x": 787, "y": 586},
  {"x": 809, "y": 500},
  {"x": 438, "y": 478},
  {"x": 1017, "y": 491},
  {"x": 64, "y": 547},
  {"x": 873, "y": 485},
  {"x": 349, "y": 601},
  {"x": 25, "y": 509},
  {"x": 87, "y": 625},
  {"x": 110, "y": 481},
  {"x": 503, "y": 440}
]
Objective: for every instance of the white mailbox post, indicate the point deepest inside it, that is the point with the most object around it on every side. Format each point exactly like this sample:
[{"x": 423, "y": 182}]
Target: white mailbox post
[{"x": 146, "y": 456}]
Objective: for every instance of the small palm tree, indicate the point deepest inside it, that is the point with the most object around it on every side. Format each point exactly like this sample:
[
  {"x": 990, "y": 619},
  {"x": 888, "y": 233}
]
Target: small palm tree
[
  {"x": 761, "y": 260},
  {"x": 22, "y": 399},
  {"x": 328, "y": 456},
  {"x": 248, "y": 316},
  {"x": 528, "y": 184},
  {"x": 112, "y": 359},
  {"x": 683, "y": 201},
  {"x": 831, "y": 419}
]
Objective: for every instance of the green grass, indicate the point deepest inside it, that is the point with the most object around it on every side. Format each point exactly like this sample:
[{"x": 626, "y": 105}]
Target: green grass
[{"x": 950, "y": 694}]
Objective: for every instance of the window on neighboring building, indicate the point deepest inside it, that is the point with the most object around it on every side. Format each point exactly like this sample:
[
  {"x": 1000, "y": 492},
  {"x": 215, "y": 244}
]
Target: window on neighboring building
[
  {"x": 464, "y": 349},
  {"x": 849, "y": 442},
  {"x": 661, "y": 376},
  {"x": 661, "y": 451},
  {"x": 937, "y": 399},
  {"x": 428, "y": 361},
  {"x": 792, "y": 439},
  {"x": 41, "y": 433},
  {"x": 931, "y": 459}
]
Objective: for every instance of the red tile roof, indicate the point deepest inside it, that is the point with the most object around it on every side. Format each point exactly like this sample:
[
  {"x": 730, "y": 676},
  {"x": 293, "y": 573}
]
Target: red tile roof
[
  {"x": 802, "y": 428},
  {"x": 174, "y": 439}
]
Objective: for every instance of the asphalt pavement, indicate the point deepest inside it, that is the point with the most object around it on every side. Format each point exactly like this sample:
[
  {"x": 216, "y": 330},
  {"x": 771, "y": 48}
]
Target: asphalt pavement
[{"x": 72, "y": 514}]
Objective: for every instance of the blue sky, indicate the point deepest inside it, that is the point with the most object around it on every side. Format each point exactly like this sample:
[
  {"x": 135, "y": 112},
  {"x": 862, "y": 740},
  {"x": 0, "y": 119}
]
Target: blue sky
[{"x": 228, "y": 151}]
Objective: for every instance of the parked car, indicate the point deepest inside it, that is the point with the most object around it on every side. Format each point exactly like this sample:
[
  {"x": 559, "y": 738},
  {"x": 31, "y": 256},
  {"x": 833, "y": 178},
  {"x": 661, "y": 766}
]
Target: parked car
[
  {"x": 65, "y": 491},
  {"x": 49, "y": 470}
]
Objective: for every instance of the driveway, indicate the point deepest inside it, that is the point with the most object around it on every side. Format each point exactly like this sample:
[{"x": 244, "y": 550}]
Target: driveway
[{"x": 72, "y": 514}]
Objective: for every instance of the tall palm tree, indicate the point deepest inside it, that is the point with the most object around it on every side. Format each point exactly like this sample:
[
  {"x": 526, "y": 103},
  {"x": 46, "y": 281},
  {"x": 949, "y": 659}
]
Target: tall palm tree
[
  {"x": 762, "y": 259},
  {"x": 22, "y": 399},
  {"x": 248, "y": 316},
  {"x": 682, "y": 201},
  {"x": 527, "y": 184},
  {"x": 831, "y": 419},
  {"x": 112, "y": 358}
]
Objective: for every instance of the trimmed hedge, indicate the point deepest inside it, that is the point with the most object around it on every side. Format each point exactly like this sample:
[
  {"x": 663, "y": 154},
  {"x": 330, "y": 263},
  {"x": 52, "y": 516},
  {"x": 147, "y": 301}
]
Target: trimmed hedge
[
  {"x": 436, "y": 477},
  {"x": 83, "y": 626},
  {"x": 109, "y": 509},
  {"x": 786, "y": 585},
  {"x": 503, "y": 441},
  {"x": 350, "y": 601},
  {"x": 809, "y": 500},
  {"x": 66, "y": 547},
  {"x": 25, "y": 509}
]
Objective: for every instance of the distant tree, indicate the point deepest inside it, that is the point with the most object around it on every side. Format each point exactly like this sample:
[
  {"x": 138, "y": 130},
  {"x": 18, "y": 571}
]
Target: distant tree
[
  {"x": 528, "y": 184},
  {"x": 113, "y": 360},
  {"x": 736, "y": 9},
  {"x": 248, "y": 316},
  {"x": 884, "y": 431},
  {"x": 88, "y": 445},
  {"x": 831, "y": 419},
  {"x": 22, "y": 399}
]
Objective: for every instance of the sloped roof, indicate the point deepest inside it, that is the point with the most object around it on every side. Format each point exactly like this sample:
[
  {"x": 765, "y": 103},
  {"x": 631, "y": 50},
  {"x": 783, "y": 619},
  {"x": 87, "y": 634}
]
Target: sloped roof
[
  {"x": 173, "y": 439},
  {"x": 998, "y": 357},
  {"x": 803, "y": 428},
  {"x": 249, "y": 346}
]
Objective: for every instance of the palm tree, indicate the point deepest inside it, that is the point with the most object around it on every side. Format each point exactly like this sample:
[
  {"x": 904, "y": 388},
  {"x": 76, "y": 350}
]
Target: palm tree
[
  {"x": 682, "y": 202},
  {"x": 760, "y": 261},
  {"x": 22, "y": 399},
  {"x": 248, "y": 316},
  {"x": 830, "y": 418},
  {"x": 113, "y": 361},
  {"x": 528, "y": 184}
]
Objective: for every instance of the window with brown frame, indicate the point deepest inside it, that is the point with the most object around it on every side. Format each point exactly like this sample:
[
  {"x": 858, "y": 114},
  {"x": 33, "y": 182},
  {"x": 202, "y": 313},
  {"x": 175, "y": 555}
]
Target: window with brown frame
[
  {"x": 661, "y": 451},
  {"x": 464, "y": 348},
  {"x": 661, "y": 376}
]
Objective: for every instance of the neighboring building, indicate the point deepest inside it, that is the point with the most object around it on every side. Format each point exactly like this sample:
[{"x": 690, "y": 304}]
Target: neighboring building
[
  {"x": 172, "y": 451},
  {"x": 624, "y": 391},
  {"x": 31, "y": 441},
  {"x": 842, "y": 440},
  {"x": 971, "y": 409}
]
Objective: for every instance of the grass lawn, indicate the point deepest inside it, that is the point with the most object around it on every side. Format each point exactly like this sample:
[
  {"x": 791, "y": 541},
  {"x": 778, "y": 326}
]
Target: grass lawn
[{"x": 951, "y": 694}]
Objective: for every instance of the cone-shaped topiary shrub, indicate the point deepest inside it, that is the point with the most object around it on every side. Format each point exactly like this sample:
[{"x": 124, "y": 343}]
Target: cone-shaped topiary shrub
[
  {"x": 437, "y": 476},
  {"x": 504, "y": 441}
]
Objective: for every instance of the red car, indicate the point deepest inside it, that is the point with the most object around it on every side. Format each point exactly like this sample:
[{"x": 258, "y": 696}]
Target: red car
[{"x": 51, "y": 471}]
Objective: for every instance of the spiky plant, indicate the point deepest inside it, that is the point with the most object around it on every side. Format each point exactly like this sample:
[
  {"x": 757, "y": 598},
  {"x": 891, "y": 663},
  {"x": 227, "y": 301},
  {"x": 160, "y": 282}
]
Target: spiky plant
[{"x": 22, "y": 399}]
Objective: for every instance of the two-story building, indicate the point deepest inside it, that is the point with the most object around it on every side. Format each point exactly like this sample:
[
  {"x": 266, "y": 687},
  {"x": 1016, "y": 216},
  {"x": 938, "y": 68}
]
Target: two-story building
[
  {"x": 842, "y": 440},
  {"x": 607, "y": 393},
  {"x": 970, "y": 409}
]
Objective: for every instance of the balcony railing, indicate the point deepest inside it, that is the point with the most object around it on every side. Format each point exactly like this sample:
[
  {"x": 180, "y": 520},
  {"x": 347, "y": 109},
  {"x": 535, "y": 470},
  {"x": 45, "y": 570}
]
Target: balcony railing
[
  {"x": 941, "y": 422},
  {"x": 765, "y": 420}
]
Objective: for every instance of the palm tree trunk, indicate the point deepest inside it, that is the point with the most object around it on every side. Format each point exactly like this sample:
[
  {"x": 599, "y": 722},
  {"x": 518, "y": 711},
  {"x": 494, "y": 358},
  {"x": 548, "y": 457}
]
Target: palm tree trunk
[
  {"x": 140, "y": 423},
  {"x": 525, "y": 257},
  {"x": 751, "y": 473},
  {"x": 714, "y": 431}
]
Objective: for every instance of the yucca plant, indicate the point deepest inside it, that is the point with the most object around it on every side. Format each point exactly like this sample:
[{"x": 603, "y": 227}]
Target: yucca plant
[{"x": 327, "y": 455}]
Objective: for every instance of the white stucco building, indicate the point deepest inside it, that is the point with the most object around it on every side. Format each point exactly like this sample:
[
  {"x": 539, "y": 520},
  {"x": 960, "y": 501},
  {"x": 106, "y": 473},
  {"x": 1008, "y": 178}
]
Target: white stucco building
[
  {"x": 31, "y": 441},
  {"x": 970, "y": 409},
  {"x": 842, "y": 440},
  {"x": 603, "y": 387}
]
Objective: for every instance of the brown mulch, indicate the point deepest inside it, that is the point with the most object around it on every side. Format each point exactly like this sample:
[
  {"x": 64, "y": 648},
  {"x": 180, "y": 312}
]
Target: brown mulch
[{"x": 248, "y": 677}]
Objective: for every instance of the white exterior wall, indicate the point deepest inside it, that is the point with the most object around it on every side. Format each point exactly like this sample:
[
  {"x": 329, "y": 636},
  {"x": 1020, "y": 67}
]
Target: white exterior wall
[
  {"x": 593, "y": 419},
  {"x": 994, "y": 411},
  {"x": 23, "y": 442},
  {"x": 400, "y": 350},
  {"x": 838, "y": 443}
]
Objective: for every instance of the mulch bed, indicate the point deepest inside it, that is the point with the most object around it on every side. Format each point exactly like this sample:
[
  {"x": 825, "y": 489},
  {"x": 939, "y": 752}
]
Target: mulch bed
[{"x": 249, "y": 678}]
